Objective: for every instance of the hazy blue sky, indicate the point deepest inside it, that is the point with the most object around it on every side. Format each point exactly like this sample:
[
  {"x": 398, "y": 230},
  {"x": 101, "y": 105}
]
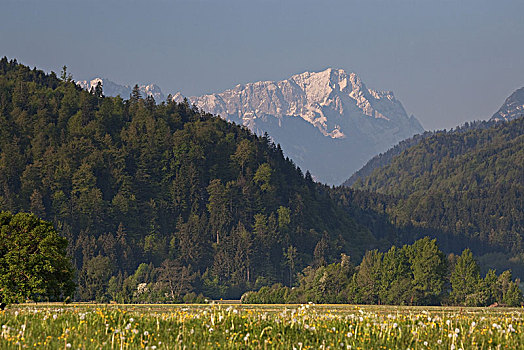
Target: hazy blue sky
[{"x": 447, "y": 61}]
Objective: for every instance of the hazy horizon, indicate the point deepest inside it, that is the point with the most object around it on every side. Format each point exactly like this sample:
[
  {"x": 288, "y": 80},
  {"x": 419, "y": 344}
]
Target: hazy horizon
[{"x": 447, "y": 62}]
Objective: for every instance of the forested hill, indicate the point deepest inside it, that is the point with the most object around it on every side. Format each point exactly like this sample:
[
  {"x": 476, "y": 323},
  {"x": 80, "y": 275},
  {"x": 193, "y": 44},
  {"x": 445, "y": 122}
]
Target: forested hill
[
  {"x": 470, "y": 184},
  {"x": 163, "y": 193},
  {"x": 383, "y": 159}
]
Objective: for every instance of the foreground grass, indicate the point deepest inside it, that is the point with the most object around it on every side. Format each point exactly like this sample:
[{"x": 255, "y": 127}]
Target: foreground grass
[{"x": 267, "y": 326}]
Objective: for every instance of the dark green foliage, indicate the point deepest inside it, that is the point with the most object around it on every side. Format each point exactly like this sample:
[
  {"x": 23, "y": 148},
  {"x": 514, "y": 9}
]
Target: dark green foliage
[
  {"x": 464, "y": 187},
  {"x": 33, "y": 261},
  {"x": 131, "y": 182},
  {"x": 470, "y": 184},
  {"x": 428, "y": 270},
  {"x": 384, "y": 159},
  {"x": 416, "y": 274},
  {"x": 465, "y": 279},
  {"x": 367, "y": 279},
  {"x": 396, "y": 282}
]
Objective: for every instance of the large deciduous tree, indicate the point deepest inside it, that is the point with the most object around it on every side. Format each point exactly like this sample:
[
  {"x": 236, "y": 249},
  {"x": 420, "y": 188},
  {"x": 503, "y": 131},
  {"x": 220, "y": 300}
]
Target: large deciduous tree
[{"x": 33, "y": 261}]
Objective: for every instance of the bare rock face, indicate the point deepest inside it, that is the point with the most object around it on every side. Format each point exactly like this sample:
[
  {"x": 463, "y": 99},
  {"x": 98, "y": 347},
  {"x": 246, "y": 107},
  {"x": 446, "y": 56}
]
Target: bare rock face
[
  {"x": 512, "y": 108},
  {"x": 328, "y": 122}
]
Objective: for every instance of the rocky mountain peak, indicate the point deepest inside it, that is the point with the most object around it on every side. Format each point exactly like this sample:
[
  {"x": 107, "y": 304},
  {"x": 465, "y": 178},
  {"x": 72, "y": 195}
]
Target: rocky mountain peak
[
  {"x": 512, "y": 108},
  {"x": 328, "y": 122},
  {"x": 332, "y": 107}
]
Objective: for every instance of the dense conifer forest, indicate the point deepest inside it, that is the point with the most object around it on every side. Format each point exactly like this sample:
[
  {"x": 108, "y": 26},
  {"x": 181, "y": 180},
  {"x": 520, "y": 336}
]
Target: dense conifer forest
[{"x": 160, "y": 195}]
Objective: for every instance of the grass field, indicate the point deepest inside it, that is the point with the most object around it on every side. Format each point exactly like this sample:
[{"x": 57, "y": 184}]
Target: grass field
[{"x": 89, "y": 326}]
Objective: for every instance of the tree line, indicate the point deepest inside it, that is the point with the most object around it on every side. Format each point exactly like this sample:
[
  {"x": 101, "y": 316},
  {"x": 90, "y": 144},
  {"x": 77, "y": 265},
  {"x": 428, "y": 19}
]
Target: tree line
[{"x": 416, "y": 274}]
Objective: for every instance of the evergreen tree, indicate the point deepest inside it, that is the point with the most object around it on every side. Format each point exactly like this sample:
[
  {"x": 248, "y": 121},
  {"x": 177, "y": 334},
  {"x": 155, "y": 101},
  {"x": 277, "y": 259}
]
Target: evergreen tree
[
  {"x": 395, "y": 278},
  {"x": 135, "y": 94},
  {"x": 367, "y": 278},
  {"x": 464, "y": 280},
  {"x": 429, "y": 271}
]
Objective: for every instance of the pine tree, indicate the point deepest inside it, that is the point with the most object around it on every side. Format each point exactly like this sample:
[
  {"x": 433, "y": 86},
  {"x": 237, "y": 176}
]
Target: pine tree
[{"x": 135, "y": 94}]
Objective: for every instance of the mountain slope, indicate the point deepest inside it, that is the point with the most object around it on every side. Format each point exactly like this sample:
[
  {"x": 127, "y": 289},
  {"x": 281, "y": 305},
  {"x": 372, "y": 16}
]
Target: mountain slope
[
  {"x": 328, "y": 122},
  {"x": 386, "y": 158},
  {"x": 145, "y": 191},
  {"x": 470, "y": 184},
  {"x": 512, "y": 108}
]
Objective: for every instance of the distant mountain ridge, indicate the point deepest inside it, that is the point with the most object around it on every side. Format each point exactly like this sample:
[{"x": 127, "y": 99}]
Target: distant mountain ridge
[
  {"x": 328, "y": 122},
  {"x": 113, "y": 89},
  {"x": 512, "y": 108}
]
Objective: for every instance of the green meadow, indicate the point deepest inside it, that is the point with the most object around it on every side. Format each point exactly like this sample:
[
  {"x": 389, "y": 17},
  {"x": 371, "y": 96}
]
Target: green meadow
[{"x": 235, "y": 326}]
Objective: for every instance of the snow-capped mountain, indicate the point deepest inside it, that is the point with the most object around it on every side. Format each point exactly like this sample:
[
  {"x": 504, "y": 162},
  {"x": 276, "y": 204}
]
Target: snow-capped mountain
[
  {"x": 113, "y": 89},
  {"x": 328, "y": 122},
  {"x": 512, "y": 108}
]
